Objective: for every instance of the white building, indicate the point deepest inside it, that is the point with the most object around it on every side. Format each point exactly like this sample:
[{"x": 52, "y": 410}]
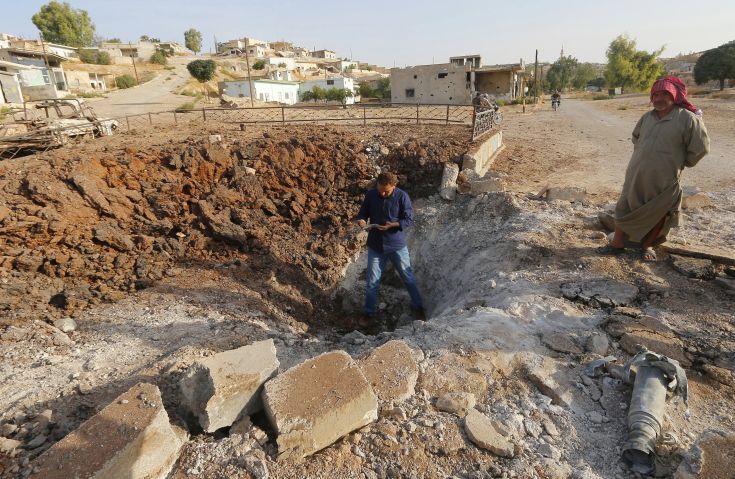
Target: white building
[
  {"x": 326, "y": 54},
  {"x": 281, "y": 75},
  {"x": 327, "y": 83},
  {"x": 286, "y": 92},
  {"x": 284, "y": 62}
]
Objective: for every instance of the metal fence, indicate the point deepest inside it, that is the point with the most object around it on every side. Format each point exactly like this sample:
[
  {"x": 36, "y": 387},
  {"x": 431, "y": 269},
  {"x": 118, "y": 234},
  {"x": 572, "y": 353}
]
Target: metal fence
[
  {"x": 351, "y": 114},
  {"x": 482, "y": 122},
  {"x": 318, "y": 114}
]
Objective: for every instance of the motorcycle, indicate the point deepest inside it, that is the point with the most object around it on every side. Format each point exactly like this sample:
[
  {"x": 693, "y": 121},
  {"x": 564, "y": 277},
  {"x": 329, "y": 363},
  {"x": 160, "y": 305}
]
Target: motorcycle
[
  {"x": 555, "y": 103},
  {"x": 484, "y": 103}
]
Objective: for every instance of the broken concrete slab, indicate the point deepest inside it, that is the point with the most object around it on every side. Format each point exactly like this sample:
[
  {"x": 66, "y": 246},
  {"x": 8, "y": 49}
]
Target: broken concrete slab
[
  {"x": 605, "y": 293},
  {"x": 315, "y": 403},
  {"x": 487, "y": 184},
  {"x": 391, "y": 371},
  {"x": 7, "y": 446},
  {"x": 480, "y": 430},
  {"x": 572, "y": 194},
  {"x": 451, "y": 372},
  {"x": 718, "y": 255},
  {"x": 481, "y": 156},
  {"x": 561, "y": 342},
  {"x": 131, "y": 437},
  {"x": 728, "y": 284},
  {"x": 697, "y": 200},
  {"x": 693, "y": 267},
  {"x": 551, "y": 377},
  {"x": 220, "y": 388},
  {"x": 448, "y": 186},
  {"x": 648, "y": 332},
  {"x": 456, "y": 403},
  {"x": 712, "y": 456},
  {"x": 65, "y": 325},
  {"x": 598, "y": 343}
]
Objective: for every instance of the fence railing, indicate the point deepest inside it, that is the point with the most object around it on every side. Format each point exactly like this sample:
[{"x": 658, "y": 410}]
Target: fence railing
[
  {"x": 350, "y": 114},
  {"x": 482, "y": 122}
]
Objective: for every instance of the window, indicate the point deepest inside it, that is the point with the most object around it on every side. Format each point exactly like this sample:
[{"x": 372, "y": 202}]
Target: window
[
  {"x": 415, "y": 77},
  {"x": 469, "y": 76},
  {"x": 410, "y": 92},
  {"x": 442, "y": 75},
  {"x": 330, "y": 82},
  {"x": 287, "y": 96}
]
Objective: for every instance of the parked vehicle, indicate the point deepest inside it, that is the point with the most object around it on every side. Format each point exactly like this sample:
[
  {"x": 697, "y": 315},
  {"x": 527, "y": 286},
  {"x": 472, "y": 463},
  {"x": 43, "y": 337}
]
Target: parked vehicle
[{"x": 45, "y": 124}]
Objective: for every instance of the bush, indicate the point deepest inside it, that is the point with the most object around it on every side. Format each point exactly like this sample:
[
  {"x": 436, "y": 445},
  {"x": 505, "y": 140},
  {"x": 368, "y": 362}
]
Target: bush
[
  {"x": 259, "y": 65},
  {"x": 188, "y": 106},
  {"x": 601, "y": 97},
  {"x": 95, "y": 57},
  {"x": 159, "y": 58},
  {"x": 125, "y": 81}
]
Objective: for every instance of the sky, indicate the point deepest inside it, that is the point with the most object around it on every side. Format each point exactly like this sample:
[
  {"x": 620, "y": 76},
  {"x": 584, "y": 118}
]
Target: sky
[{"x": 401, "y": 33}]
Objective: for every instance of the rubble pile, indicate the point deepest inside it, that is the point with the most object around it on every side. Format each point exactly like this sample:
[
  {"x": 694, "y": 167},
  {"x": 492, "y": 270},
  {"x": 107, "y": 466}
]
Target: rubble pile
[{"x": 82, "y": 228}]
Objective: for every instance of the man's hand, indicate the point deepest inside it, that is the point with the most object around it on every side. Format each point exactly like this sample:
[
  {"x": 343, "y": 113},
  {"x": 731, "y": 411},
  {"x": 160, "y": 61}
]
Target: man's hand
[
  {"x": 361, "y": 223},
  {"x": 388, "y": 226}
]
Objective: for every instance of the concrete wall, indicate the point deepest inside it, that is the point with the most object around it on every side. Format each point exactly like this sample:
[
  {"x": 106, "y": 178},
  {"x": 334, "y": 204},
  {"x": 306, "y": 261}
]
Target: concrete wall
[
  {"x": 328, "y": 54},
  {"x": 432, "y": 84},
  {"x": 499, "y": 84},
  {"x": 282, "y": 92},
  {"x": 275, "y": 61},
  {"x": 78, "y": 81},
  {"x": 10, "y": 87},
  {"x": 481, "y": 156}
]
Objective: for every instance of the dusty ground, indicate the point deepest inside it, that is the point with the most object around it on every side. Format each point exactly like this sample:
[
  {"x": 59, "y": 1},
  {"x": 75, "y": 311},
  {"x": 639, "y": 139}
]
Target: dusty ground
[{"x": 165, "y": 248}]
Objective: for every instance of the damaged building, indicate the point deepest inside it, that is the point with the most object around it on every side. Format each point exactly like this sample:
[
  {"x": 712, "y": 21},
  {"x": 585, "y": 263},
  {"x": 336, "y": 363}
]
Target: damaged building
[{"x": 456, "y": 82}]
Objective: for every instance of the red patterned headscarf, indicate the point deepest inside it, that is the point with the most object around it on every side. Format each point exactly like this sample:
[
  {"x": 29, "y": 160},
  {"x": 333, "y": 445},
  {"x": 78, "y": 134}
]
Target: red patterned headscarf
[{"x": 677, "y": 89}]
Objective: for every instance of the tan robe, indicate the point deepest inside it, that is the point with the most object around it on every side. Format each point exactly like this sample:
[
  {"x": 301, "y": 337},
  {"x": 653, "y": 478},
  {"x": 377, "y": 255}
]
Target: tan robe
[{"x": 663, "y": 147}]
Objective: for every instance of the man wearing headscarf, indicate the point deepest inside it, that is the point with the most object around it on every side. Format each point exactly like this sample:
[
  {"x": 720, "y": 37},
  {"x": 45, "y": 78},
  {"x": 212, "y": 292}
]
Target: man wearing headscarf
[{"x": 666, "y": 139}]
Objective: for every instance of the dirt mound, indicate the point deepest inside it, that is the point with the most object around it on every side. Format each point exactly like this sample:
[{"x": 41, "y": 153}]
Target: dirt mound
[{"x": 88, "y": 224}]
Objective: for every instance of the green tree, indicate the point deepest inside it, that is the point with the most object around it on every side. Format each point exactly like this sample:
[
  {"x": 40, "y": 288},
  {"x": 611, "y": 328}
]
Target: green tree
[
  {"x": 382, "y": 90},
  {"x": 203, "y": 71},
  {"x": 60, "y": 23},
  {"x": 259, "y": 65},
  {"x": 146, "y": 38},
  {"x": 125, "y": 81},
  {"x": 583, "y": 75},
  {"x": 96, "y": 57},
  {"x": 561, "y": 73},
  {"x": 193, "y": 40},
  {"x": 113, "y": 40},
  {"x": 307, "y": 96},
  {"x": 630, "y": 68},
  {"x": 366, "y": 91},
  {"x": 716, "y": 64}
]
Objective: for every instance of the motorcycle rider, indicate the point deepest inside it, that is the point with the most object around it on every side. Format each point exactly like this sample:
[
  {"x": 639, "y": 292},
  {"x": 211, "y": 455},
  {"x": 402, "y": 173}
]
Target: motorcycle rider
[{"x": 556, "y": 97}]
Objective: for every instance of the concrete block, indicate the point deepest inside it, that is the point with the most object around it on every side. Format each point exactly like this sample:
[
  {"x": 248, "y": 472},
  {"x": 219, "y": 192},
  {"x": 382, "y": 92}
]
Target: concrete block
[
  {"x": 448, "y": 186},
  {"x": 487, "y": 184},
  {"x": 551, "y": 377},
  {"x": 391, "y": 371},
  {"x": 480, "y": 430},
  {"x": 130, "y": 438},
  {"x": 317, "y": 402},
  {"x": 565, "y": 193},
  {"x": 482, "y": 156},
  {"x": 220, "y": 388}
]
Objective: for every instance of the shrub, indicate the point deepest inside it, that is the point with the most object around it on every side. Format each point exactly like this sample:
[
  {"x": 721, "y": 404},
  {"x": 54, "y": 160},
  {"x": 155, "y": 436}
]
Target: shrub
[
  {"x": 601, "y": 97},
  {"x": 188, "y": 106},
  {"x": 125, "y": 81},
  {"x": 159, "y": 58},
  {"x": 259, "y": 65},
  {"x": 95, "y": 57}
]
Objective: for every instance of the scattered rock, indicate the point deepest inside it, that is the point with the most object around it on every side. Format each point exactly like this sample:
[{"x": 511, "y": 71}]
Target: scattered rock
[
  {"x": 561, "y": 342},
  {"x": 7, "y": 446},
  {"x": 551, "y": 378},
  {"x": 648, "y": 332},
  {"x": 721, "y": 375},
  {"x": 65, "y": 325},
  {"x": 109, "y": 234},
  {"x": 448, "y": 186},
  {"x": 480, "y": 430},
  {"x": 711, "y": 457},
  {"x": 7, "y": 429},
  {"x": 315, "y": 403},
  {"x": 550, "y": 427},
  {"x": 573, "y": 194},
  {"x": 122, "y": 440},
  {"x": 456, "y": 403},
  {"x": 697, "y": 200},
  {"x": 220, "y": 388},
  {"x": 391, "y": 371},
  {"x": 728, "y": 284},
  {"x": 451, "y": 372},
  {"x": 693, "y": 267},
  {"x": 547, "y": 450},
  {"x": 598, "y": 343},
  {"x": 600, "y": 292}
]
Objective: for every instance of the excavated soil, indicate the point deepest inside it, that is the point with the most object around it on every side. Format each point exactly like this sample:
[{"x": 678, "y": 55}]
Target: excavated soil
[{"x": 169, "y": 246}]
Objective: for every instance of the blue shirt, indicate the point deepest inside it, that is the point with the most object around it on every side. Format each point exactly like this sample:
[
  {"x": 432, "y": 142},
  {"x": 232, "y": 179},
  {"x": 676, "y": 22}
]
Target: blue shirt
[{"x": 378, "y": 210}]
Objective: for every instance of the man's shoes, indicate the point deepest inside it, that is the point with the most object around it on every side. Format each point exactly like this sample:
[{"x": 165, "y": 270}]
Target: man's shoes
[
  {"x": 419, "y": 314},
  {"x": 366, "y": 321}
]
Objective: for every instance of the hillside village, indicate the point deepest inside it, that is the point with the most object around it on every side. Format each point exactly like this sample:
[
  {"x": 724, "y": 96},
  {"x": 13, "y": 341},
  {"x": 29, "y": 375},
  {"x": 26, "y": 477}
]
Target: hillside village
[{"x": 183, "y": 279}]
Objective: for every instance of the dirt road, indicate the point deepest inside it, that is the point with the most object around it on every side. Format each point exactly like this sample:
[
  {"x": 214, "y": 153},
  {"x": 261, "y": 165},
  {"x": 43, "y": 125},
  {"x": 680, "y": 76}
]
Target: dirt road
[
  {"x": 595, "y": 155},
  {"x": 153, "y": 96}
]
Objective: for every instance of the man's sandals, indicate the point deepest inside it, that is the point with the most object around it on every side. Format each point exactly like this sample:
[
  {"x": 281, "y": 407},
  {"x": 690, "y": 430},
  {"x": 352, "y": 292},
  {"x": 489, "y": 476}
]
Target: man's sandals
[
  {"x": 648, "y": 255},
  {"x": 609, "y": 250}
]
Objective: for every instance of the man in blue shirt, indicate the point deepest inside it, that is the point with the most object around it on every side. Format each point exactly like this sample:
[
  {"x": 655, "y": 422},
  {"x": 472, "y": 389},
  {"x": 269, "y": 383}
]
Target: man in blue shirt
[{"x": 390, "y": 212}]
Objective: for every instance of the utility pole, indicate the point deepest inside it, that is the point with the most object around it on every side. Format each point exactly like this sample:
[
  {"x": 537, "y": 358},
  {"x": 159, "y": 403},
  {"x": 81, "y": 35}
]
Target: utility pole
[
  {"x": 216, "y": 50},
  {"x": 535, "y": 77},
  {"x": 45, "y": 59},
  {"x": 132, "y": 57},
  {"x": 250, "y": 79}
]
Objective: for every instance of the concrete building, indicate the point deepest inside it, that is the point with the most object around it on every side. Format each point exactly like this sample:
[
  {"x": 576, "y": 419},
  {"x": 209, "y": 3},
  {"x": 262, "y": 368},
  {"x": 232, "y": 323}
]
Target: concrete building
[
  {"x": 286, "y": 92},
  {"x": 472, "y": 60},
  {"x": 327, "y": 83},
  {"x": 171, "y": 48},
  {"x": 456, "y": 82},
  {"x": 345, "y": 65},
  {"x": 83, "y": 81},
  {"x": 10, "y": 88},
  {"x": 281, "y": 62},
  {"x": 236, "y": 47},
  {"x": 39, "y": 81},
  {"x": 125, "y": 53},
  {"x": 281, "y": 75},
  {"x": 326, "y": 54}
]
